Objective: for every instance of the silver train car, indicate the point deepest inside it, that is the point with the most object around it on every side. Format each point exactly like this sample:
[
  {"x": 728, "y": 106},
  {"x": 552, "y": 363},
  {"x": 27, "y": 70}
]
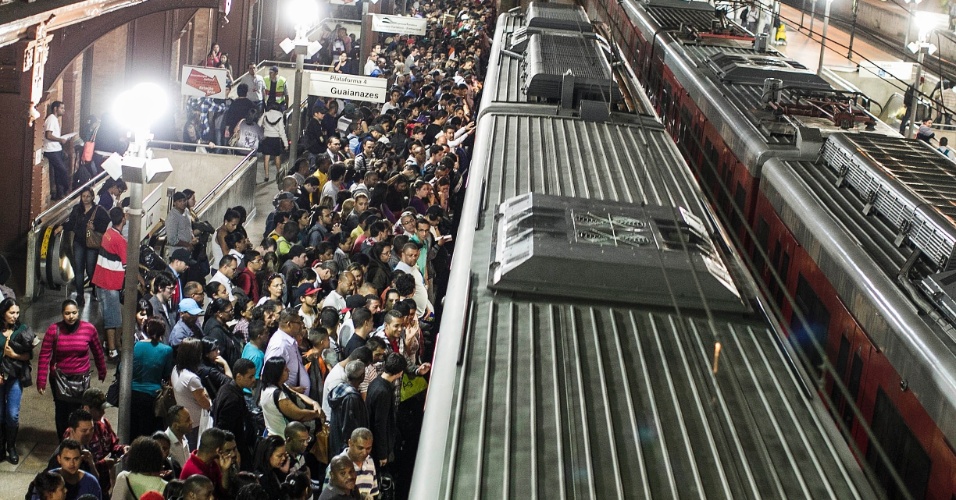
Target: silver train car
[
  {"x": 860, "y": 270},
  {"x": 600, "y": 338}
]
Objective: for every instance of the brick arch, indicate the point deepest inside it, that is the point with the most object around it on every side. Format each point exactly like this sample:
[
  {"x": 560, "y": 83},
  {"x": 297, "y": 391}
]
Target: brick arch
[{"x": 69, "y": 42}]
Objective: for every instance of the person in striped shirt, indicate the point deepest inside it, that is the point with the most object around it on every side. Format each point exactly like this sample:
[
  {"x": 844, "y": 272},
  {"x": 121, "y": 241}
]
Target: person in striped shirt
[
  {"x": 109, "y": 275},
  {"x": 359, "y": 453}
]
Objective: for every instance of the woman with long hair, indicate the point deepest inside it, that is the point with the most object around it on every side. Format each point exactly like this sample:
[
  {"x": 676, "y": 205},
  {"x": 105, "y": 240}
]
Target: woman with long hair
[
  {"x": 84, "y": 258},
  {"x": 152, "y": 365},
  {"x": 188, "y": 387},
  {"x": 214, "y": 56},
  {"x": 144, "y": 467},
  {"x": 16, "y": 342},
  {"x": 144, "y": 311},
  {"x": 272, "y": 464},
  {"x": 215, "y": 327},
  {"x": 278, "y": 409},
  {"x": 67, "y": 345}
]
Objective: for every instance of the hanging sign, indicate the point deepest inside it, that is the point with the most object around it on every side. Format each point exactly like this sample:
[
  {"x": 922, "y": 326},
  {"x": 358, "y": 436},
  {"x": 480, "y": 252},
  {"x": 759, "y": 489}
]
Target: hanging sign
[
  {"x": 401, "y": 25},
  {"x": 351, "y": 87}
]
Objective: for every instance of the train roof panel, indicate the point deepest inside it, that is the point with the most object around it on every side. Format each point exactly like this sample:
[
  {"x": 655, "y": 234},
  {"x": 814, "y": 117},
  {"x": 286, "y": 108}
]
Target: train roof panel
[
  {"x": 558, "y": 16},
  {"x": 549, "y": 58},
  {"x": 612, "y": 246},
  {"x": 582, "y": 398},
  {"x": 700, "y": 18}
]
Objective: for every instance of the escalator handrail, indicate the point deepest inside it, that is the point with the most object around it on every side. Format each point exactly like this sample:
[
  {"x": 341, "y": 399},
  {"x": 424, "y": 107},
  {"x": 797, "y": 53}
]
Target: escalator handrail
[{"x": 67, "y": 200}]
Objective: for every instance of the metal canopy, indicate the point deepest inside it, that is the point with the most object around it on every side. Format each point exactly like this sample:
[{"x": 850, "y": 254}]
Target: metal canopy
[
  {"x": 613, "y": 251},
  {"x": 906, "y": 181}
]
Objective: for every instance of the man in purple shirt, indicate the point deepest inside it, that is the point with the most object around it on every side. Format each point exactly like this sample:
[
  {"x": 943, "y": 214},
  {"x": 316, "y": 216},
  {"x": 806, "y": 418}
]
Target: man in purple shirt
[{"x": 285, "y": 344}]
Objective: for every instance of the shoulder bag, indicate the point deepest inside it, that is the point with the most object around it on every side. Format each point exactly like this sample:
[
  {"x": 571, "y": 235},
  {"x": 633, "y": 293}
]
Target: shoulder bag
[
  {"x": 89, "y": 147},
  {"x": 68, "y": 388},
  {"x": 412, "y": 385},
  {"x": 94, "y": 239},
  {"x": 165, "y": 400}
]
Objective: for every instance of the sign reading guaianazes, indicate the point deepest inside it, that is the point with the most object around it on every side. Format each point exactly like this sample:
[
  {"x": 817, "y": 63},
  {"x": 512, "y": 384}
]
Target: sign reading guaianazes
[{"x": 341, "y": 86}]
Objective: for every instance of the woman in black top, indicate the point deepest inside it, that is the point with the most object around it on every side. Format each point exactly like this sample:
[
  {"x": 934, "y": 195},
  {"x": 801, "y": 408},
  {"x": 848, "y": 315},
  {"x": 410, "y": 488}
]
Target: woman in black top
[
  {"x": 272, "y": 463},
  {"x": 84, "y": 258}
]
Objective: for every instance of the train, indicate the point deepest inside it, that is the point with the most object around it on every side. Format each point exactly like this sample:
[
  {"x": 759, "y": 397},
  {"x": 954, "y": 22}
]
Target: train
[
  {"x": 602, "y": 338},
  {"x": 849, "y": 226}
]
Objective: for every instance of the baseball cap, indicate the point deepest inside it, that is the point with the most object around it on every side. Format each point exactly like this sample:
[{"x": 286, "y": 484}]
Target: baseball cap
[
  {"x": 311, "y": 291},
  {"x": 190, "y": 306},
  {"x": 319, "y": 107},
  {"x": 274, "y": 68},
  {"x": 183, "y": 255}
]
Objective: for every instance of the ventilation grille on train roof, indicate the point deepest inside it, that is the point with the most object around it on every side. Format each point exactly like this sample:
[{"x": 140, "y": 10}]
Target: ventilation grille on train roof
[
  {"x": 550, "y": 56},
  {"x": 557, "y": 17},
  {"x": 906, "y": 181},
  {"x": 578, "y": 248},
  {"x": 755, "y": 68}
]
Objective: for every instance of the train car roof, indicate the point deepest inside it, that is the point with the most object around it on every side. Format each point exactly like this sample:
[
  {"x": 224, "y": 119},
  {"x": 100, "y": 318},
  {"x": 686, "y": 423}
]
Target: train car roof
[
  {"x": 883, "y": 181},
  {"x": 557, "y": 397}
]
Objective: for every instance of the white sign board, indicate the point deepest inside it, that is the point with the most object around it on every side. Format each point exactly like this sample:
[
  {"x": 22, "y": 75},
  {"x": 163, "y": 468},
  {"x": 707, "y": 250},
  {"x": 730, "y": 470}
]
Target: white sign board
[
  {"x": 352, "y": 87},
  {"x": 401, "y": 25},
  {"x": 886, "y": 69},
  {"x": 198, "y": 81},
  {"x": 343, "y": 2}
]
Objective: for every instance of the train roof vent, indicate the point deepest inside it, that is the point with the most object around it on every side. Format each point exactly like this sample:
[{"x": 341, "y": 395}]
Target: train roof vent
[
  {"x": 908, "y": 182},
  {"x": 557, "y": 17},
  {"x": 755, "y": 68},
  {"x": 549, "y": 57},
  {"x": 579, "y": 248}
]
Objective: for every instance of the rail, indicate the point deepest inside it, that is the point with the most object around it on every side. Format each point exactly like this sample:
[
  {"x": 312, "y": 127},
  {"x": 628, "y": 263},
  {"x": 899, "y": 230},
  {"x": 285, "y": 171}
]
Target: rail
[{"x": 66, "y": 200}]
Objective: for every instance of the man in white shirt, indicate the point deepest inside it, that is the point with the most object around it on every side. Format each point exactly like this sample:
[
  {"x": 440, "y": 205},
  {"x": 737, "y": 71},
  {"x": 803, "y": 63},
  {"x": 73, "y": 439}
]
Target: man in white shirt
[
  {"x": 180, "y": 423},
  {"x": 227, "y": 271},
  {"x": 257, "y": 85},
  {"x": 53, "y": 150}
]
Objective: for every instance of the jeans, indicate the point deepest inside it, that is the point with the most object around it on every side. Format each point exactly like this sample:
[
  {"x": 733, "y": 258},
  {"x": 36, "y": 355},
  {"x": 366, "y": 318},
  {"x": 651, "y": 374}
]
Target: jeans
[
  {"x": 10, "y": 394},
  {"x": 59, "y": 173},
  {"x": 84, "y": 262}
]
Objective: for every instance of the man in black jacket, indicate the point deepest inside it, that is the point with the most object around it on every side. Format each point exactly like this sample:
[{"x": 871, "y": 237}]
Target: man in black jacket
[
  {"x": 230, "y": 413},
  {"x": 348, "y": 408},
  {"x": 380, "y": 401}
]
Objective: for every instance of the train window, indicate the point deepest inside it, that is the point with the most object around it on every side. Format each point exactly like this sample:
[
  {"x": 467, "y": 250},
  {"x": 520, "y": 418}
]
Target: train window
[
  {"x": 815, "y": 329},
  {"x": 782, "y": 269},
  {"x": 836, "y": 396},
  {"x": 760, "y": 246},
  {"x": 856, "y": 373},
  {"x": 906, "y": 454}
]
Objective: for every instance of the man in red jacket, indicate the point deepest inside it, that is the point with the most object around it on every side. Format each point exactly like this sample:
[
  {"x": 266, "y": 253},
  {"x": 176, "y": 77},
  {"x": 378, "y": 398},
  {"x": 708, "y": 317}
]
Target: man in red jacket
[{"x": 109, "y": 275}]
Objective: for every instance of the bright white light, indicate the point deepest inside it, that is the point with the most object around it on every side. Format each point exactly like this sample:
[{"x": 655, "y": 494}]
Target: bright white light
[
  {"x": 141, "y": 106},
  {"x": 303, "y": 13},
  {"x": 929, "y": 21}
]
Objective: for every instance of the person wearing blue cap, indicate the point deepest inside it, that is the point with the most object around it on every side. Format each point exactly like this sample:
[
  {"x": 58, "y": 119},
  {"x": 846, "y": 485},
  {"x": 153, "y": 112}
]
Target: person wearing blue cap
[{"x": 186, "y": 327}]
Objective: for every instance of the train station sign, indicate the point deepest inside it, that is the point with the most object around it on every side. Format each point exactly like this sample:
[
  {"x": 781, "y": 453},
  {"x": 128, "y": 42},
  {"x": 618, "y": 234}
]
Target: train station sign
[
  {"x": 351, "y": 87},
  {"x": 199, "y": 81},
  {"x": 401, "y": 25},
  {"x": 900, "y": 70}
]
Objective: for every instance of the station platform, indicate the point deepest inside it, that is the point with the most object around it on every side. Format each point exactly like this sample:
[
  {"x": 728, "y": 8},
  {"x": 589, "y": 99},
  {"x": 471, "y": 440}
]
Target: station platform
[{"x": 37, "y": 440}]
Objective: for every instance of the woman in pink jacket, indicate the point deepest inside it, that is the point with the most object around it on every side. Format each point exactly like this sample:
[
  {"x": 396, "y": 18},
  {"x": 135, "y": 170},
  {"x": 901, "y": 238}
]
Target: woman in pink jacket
[{"x": 74, "y": 339}]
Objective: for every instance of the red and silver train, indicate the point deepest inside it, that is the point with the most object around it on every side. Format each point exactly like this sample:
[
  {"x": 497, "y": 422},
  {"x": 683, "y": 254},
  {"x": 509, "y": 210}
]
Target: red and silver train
[{"x": 852, "y": 228}]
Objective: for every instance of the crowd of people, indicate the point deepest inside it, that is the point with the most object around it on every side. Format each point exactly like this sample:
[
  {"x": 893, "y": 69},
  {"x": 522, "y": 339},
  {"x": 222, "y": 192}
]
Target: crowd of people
[{"x": 292, "y": 363}]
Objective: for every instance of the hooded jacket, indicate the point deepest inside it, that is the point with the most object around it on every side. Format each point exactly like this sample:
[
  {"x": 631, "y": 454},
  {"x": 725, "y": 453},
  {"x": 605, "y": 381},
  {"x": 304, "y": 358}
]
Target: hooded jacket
[{"x": 348, "y": 414}]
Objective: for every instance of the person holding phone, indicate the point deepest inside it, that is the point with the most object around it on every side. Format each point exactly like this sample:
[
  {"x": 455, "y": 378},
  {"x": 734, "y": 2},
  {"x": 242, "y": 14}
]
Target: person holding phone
[{"x": 273, "y": 463}]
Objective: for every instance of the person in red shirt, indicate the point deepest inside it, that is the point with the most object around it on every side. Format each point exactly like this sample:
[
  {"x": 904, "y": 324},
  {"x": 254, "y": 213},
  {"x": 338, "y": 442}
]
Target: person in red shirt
[
  {"x": 109, "y": 275},
  {"x": 216, "y": 452}
]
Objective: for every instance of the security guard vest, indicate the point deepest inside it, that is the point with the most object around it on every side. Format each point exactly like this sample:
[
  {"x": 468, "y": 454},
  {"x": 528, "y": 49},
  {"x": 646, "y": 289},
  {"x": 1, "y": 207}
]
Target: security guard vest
[{"x": 280, "y": 90}]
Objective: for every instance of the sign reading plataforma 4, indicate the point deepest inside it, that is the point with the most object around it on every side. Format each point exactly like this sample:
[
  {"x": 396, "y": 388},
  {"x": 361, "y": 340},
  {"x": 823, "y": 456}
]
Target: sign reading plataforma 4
[
  {"x": 401, "y": 25},
  {"x": 198, "y": 81},
  {"x": 341, "y": 86}
]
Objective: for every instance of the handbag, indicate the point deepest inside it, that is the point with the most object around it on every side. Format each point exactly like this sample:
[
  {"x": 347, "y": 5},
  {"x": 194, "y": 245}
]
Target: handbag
[
  {"x": 89, "y": 147},
  {"x": 94, "y": 239},
  {"x": 67, "y": 388},
  {"x": 412, "y": 385},
  {"x": 165, "y": 400},
  {"x": 320, "y": 449}
]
